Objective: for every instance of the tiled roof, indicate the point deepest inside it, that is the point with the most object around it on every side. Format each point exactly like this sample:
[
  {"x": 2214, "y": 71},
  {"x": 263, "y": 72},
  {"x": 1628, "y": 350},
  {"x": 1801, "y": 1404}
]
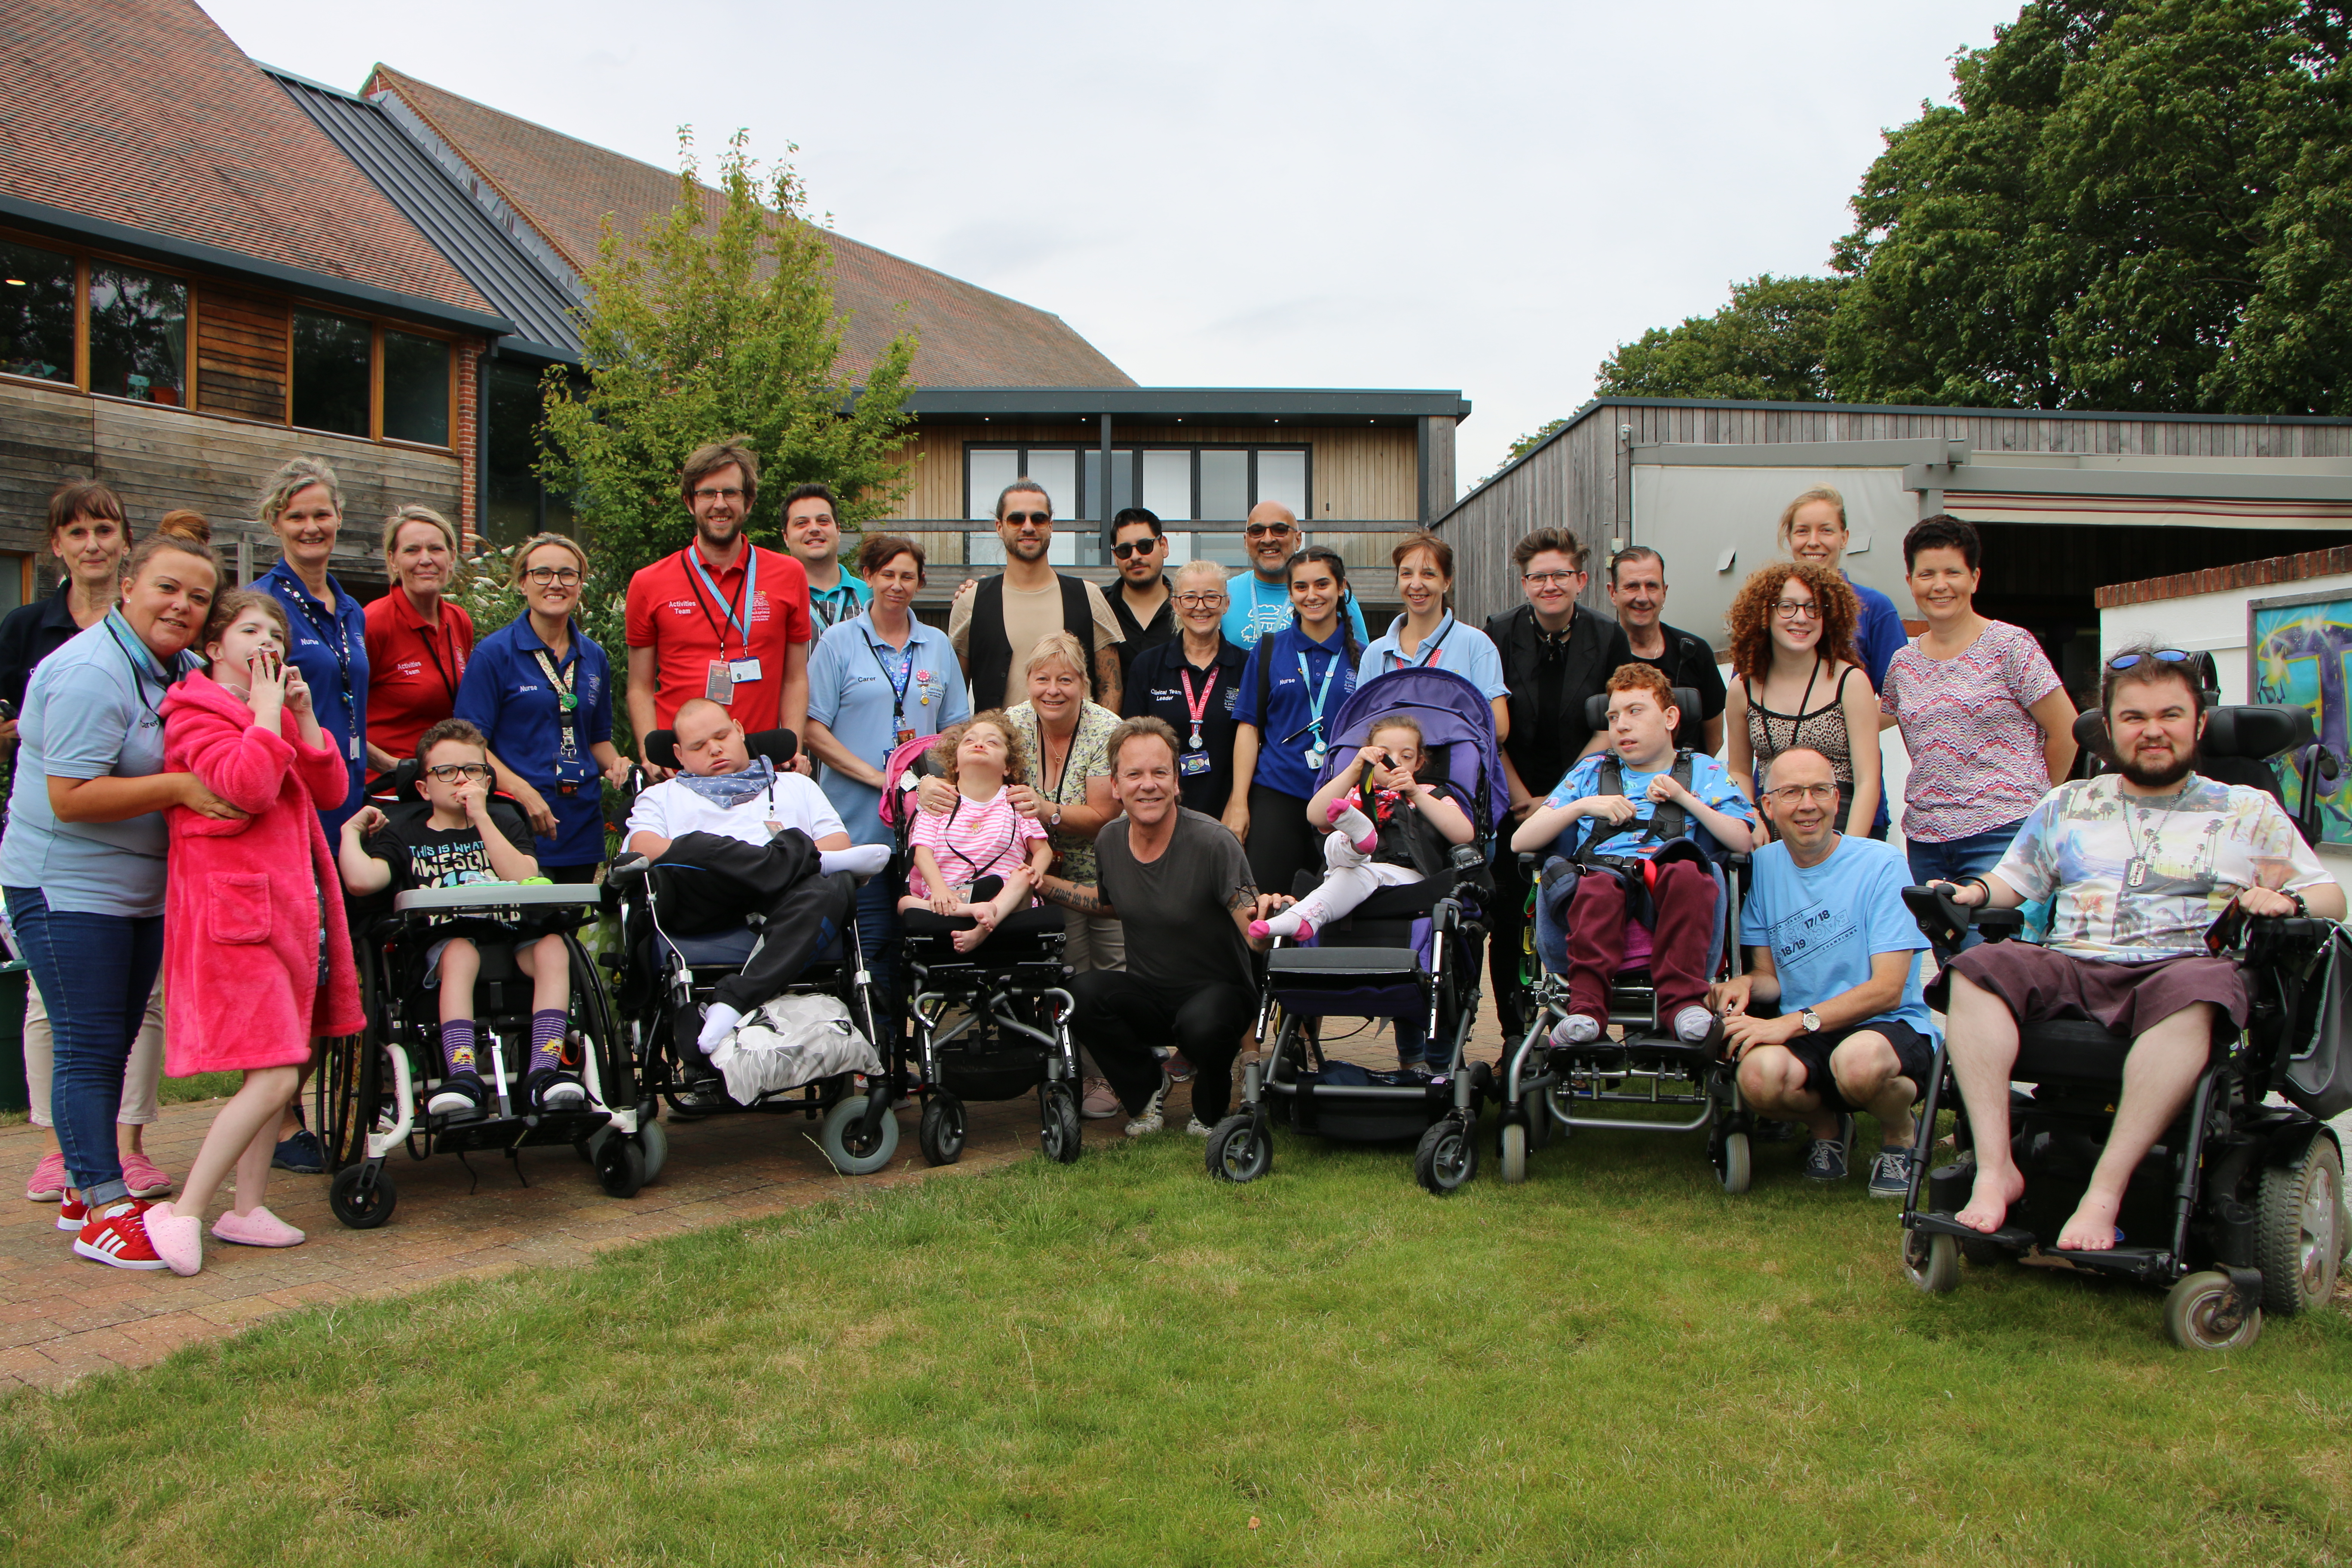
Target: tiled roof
[
  {"x": 565, "y": 187},
  {"x": 142, "y": 113}
]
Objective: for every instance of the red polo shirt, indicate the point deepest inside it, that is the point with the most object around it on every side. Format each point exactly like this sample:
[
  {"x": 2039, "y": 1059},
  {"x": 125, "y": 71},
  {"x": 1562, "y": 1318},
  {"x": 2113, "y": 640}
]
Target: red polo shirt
[
  {"x": 412, "y": 668},
  {"x": 674, "y": 612}
]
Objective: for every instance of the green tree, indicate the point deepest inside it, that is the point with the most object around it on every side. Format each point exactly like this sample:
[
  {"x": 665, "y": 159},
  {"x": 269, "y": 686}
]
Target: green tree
[
  {"x": 2132, "y": 205},
  {"x": 1767, "y": 343},
  {"x": 718, "y": 320}
]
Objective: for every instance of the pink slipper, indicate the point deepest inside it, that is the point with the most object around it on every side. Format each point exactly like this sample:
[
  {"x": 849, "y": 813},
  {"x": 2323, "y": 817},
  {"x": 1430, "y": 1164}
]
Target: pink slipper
[
  {"x": 256, "y": 1228},
  {"x": 178, "y": 1238}
]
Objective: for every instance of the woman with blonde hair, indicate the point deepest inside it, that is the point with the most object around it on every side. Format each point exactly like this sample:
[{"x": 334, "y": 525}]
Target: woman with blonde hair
[
  {"x": 418, "y": 640},
  {"x": 302, "y": 504},
  {"x": 1796, "y": 682}
]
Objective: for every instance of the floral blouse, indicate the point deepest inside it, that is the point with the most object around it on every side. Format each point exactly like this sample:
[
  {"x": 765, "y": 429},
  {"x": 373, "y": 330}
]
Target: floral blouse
[{"x": 1090, "y": 759}]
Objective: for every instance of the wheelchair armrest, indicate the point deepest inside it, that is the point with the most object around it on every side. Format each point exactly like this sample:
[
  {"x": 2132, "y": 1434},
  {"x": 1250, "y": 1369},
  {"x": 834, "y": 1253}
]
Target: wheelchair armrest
[
  {"x": 1530, "y": 864},
  {"x": 1946, "y": 922}
]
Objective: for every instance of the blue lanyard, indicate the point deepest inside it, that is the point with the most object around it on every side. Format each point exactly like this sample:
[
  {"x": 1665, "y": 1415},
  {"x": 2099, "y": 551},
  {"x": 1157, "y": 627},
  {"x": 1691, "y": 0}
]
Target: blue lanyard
[
  {"x": 899, "y": 686},
  {"x": 1315, "y": 703},
  {"x": 341, "y": 647},
  {"x": 738, "y": 614},
  {"x": 142, "y": 669}
]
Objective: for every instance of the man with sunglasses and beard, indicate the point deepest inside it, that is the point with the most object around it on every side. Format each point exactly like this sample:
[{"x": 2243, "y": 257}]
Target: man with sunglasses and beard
[
  {"x": 995, "y": 621},
  {"x": 1144, "y": 605},
  {"x": 1262, "y": 596},
  {"x": 2138, "y": 864}
]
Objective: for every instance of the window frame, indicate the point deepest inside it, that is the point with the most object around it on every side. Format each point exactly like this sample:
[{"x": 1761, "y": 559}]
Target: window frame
[{"x": 1022, "y": 448}]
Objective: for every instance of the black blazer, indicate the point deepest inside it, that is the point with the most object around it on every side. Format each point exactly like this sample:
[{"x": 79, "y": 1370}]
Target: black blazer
[{"x": 1596, "y": 646}]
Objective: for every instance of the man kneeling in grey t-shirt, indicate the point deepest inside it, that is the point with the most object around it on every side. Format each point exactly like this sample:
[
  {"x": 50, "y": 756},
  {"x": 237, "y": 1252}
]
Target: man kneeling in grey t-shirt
[{"x": 1181, "y": 886}]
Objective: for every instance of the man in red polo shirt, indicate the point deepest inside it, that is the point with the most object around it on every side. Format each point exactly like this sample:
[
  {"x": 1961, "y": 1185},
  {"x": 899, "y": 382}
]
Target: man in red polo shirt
[{"x": 721, "y": 619}]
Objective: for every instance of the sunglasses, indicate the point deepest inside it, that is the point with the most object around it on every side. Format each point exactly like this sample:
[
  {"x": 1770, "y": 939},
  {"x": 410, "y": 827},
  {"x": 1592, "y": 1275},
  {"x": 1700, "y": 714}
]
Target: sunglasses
[
  {"x": 2161, "y": 655},
  {"x": 1135, "y": 547},
  {"x": 1267, "y": 529},
  {"x": 1017, "y": 519}
]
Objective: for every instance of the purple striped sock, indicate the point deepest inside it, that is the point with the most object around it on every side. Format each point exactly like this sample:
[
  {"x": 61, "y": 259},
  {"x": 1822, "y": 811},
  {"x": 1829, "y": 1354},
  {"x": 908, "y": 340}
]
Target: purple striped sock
[
  {"x": 458, "y": 1047},
  {"x": 547, "y": 1027}
]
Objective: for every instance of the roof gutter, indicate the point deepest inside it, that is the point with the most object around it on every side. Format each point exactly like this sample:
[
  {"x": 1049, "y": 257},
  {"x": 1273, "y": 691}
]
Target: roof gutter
[{"x": 58, "y": 221}]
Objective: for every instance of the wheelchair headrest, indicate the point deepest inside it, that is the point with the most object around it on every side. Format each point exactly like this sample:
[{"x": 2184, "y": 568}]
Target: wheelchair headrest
[
  {"x": 1596, "y": 707},
  {"x": 2252, "y": 732},
  {"x": 779, "y": 746}
]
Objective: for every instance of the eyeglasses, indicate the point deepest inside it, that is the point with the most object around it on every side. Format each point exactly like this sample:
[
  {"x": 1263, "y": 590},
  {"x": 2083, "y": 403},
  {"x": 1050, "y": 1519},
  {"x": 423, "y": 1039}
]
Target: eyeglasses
[
  {"x": 1199, "y": 601},
  {"x": 1017, "y": 519},
  {"x": 562, "y": 576},
  {"x": 2161, "y": 655},
  {"x": 1791, "y": 610},
  {"x": 451, "y": 772},
  {"x": 1135, "y": 547},
  {"x": 1790, "y": 795},
  {"x": 1267, "y": 529},
  {"x": 731, "y": 497},
  {"x": 1550, "y": 579}
]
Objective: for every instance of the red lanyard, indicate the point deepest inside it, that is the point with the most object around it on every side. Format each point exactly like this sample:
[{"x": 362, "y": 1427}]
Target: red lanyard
[{"x": 1198, "y": 706}]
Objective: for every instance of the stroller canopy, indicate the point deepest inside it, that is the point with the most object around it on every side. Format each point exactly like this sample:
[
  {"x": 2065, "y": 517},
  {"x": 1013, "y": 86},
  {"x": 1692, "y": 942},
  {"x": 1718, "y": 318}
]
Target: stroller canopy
[{"x": 1454, "y": 719}]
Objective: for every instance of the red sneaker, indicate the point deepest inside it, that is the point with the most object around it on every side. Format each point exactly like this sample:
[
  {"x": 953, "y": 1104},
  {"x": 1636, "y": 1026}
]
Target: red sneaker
[
  {"x": 118, "y": 1238},
  {"x": 72, "y": 1212}
]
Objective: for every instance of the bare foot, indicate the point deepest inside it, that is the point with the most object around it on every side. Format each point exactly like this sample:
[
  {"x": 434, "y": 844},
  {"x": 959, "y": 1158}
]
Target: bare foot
[
  {"x": 2093, "y": 1228},
  {"x": 965, "y": 941},
  {"x": 1989, "y": 1199}
]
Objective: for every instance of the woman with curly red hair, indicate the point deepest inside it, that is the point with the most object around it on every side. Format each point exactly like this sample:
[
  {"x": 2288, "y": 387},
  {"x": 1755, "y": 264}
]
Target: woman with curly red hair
[{"x": 1797, "y": 684}]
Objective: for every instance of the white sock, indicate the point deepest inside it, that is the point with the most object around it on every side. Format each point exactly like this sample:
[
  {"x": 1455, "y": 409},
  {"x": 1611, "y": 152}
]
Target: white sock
[
  {"x": 862, "y": 860},
  {"x": 716, "y": 1026},
  {"x": 1354, "y": 823},
  {"x": 1286, "y": 922},
  {"x": 1576, "y": 1029},
  {"x": 1692, "y": 1024}
]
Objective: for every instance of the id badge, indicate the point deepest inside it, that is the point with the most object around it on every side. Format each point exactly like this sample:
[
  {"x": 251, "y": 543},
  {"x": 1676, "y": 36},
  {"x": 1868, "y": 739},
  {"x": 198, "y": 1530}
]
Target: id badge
[
  {"x": 1192, "y": 763},
  {"x": 719, "y": 685},
  {"x": 746, "y": 672},
  {"x": 905, "y": 735}
]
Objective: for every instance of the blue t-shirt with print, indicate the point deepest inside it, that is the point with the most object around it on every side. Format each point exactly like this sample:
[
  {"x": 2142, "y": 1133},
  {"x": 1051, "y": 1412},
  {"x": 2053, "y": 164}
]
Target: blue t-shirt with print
[
  {"x": 1708, "y": 781},
  {"x": 1303, "y": 678},
  {"x": 1259, "y": 606},
  {"x": 1824, "y": 923}
]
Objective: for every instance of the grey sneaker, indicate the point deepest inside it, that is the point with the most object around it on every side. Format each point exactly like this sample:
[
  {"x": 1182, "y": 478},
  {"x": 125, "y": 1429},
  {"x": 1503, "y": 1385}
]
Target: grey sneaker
[
  {"x": 1197, "y": 1128},
  {"x": 1890, "y": 1173},
  {"x": 1149, "y": 1118}
]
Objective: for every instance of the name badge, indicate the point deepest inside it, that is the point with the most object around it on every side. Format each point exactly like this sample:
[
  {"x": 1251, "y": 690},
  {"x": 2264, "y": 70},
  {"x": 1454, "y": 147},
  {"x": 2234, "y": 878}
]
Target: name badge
[
  {"x": 745, "y": 671},
  {"x": 1192, "y": 763},
  {"x": 718, "y": 685}
]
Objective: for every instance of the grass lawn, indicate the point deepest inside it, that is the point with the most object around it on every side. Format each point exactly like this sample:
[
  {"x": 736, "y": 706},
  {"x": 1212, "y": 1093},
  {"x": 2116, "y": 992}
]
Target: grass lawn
[{"x": 1122, "y": 1361}]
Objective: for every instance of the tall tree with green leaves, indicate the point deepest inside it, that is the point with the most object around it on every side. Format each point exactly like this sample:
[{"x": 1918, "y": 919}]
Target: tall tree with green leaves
[
  {"x": 714, "y": 323},
  {"x": 1767, "y": 344}
]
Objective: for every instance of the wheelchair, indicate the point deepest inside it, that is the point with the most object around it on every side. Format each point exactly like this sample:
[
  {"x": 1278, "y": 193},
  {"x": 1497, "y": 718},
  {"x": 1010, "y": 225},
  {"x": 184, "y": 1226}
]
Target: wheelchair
[
  {"x": 1548, "y": 1090},
  {"x": 1409, "y": 953},
  {"x": 1009, "y": 1032},
  {"x": 667, "y": 978},
  {"x": 2243, "y": 1196},
  {"x": 374, "y": 1085}
]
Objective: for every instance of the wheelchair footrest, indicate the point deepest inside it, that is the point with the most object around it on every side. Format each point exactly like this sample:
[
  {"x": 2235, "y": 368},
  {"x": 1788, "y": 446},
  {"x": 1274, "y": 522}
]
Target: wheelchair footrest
[{"x": 2013, "y": 1236}]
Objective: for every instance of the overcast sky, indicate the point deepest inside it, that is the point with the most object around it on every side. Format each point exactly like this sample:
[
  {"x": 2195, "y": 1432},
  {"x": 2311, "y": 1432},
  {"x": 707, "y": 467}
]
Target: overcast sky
[{"x": 1475, "y": 195}]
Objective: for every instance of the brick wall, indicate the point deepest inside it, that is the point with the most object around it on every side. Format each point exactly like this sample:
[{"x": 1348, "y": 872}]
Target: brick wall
[{"x": 2222, "y": 579}]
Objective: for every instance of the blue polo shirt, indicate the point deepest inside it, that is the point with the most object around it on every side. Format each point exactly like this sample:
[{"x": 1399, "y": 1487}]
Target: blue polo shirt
[
  {"x": 1464, "y": 650},
  {"x": 1881, "y": 634},
  {"x": 330, "y": 650},
  {"x": 828, "y": 607},
  {"x": 855, "y": 677},
  {"x": 508, "y": 696},
  {"x": 1259, "y": 606},
  {"x": 1288, "y": 728}
]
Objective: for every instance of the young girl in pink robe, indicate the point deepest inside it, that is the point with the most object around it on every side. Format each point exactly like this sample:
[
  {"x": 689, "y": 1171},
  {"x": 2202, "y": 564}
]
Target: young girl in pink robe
[{"x": 256, "y": 958}]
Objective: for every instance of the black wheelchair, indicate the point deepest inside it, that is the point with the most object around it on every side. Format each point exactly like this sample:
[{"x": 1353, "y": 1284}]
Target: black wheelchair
[
  {"x": 990, "y": 1024},
  {"x": 2243, "y": 1196},
  {"x": 666, "y": 979}
]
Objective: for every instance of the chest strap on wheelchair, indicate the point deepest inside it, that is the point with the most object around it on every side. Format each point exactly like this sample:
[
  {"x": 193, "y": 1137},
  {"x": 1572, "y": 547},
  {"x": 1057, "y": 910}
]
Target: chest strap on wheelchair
[{"x": 1668, "y": 821}]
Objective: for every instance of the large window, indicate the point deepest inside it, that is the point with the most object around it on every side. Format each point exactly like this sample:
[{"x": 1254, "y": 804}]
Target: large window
[
  {"x": 37, "y": 312},
  {"x": 416, "y": 389},
  {"x": 138, "y": 335},
  {"x": 518, "y": 504},
  {"x": 330, "y": 372},
  {"x": 1180, "y": 484}
]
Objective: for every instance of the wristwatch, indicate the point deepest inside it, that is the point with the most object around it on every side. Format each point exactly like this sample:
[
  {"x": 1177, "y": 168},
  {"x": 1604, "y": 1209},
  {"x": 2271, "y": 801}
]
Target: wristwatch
[
  {"x": 2300, "y": 907},
  {"x": 1812, "y": 1021},
  {"x": 1055, "y": 821}
]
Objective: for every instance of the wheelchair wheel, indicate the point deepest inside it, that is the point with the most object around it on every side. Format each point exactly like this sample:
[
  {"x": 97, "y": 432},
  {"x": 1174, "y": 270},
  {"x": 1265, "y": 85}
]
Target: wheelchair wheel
[
  {"x": 852, "y": 1150},
  {"x": 2299, "y": 1234},
  {"x": 1241, "y": 1148},
  {"x": 1447, "y": 1157},
  {"x": 1060, "y": 1137},
  {"x": 620, "y": 1167},
  {"x": 653, "y": 1139},
  {"x": 1732, "y": 1166},
  {"x": 362, "y": 1195},
  {"x": 1931, "y": 1262},
  {"x": 1982, "y": 1254},
  {"x": 942, "y": 1132},
  {"x": 2202, "y": 1313}
]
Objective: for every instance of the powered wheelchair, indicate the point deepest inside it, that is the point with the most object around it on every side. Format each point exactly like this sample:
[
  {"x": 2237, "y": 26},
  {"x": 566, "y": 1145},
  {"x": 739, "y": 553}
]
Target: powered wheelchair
[
  {"x": 2240, "y": 1201},
  {"x": 1546, "y": 1091},
  {"x": 1411, "y": 953},
  {"x": 669, "y": 971},
  {"x": 374, "y": 1086}
]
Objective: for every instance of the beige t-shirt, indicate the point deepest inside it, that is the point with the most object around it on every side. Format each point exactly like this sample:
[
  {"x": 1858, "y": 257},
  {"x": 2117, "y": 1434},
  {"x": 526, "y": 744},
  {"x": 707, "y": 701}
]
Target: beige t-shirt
[{"x": 1029, "y": 619}]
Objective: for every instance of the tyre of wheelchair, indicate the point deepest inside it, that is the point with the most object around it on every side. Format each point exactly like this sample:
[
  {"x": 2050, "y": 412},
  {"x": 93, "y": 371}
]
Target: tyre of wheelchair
[
  {"x": 1241, "y": 1148},
  {"x": 854, "y": 1148},
  {"x": 2202, "y": 1313},
  {"x": 1059, "y": 1137},
  {"x": 941, "y": 1134},
  {"x": 1447, "y": 1155},
  {"x": 361, "y": 1198},
  {"x": 2299, "y": 1228}
]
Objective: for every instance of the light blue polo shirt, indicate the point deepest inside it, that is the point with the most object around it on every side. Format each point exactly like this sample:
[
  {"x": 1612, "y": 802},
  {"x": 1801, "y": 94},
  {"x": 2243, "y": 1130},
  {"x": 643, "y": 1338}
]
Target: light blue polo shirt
[
  {"x": 506, "y": 695},
  {"x": 1259, "y": 606},
  {"x": 853, "y": 679},
  {"x": 828, "y": 607},
  {"x": 1464, "y": 650},
  {"x": 90, "y": 711}
]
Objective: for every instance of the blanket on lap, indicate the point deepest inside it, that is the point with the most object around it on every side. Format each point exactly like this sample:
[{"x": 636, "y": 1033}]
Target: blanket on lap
[{"x": 789, "y": 1041}]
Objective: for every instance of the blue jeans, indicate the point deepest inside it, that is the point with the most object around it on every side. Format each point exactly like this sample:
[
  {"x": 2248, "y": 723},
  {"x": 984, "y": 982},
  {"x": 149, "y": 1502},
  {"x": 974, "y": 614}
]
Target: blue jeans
[
  {"x": 877, "y": 939},
  {"x": 94, "y": 971},
  {"x": 1958, "y": 859}
]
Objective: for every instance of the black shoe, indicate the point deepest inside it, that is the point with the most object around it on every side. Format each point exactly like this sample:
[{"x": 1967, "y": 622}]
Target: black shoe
[
  {"x": 459, "y": 1099},
  {"x": 552, "y": 1090}
]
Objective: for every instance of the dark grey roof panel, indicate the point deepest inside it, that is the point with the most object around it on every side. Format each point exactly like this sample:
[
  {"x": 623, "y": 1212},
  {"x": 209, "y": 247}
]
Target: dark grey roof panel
[{"x": 538, "y": 303}]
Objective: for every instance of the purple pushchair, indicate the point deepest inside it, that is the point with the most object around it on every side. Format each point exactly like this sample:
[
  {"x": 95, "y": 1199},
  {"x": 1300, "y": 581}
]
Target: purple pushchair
[{"x": 1409, "y": 953}]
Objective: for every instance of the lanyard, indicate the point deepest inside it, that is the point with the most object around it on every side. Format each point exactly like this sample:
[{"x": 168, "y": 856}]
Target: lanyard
[
  {"x": 433, "y": 652},
  {"x": 339, "y": 644},
  {"x": 1198, "y": 706},
  {"x": 1430, "y": 651},
  {"x": 1315, "y": 703},
  {"x": 899, "y": 686},
  {"x": 142, "y": 670},
  {"x": 739, "y": 614}
]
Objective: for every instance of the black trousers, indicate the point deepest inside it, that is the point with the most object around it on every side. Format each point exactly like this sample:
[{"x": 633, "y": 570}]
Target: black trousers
[
  {"x": 711, "y": 882},
  {"x": 1507, "y": 922},
  {"x": 1282, "y": 842},
  {"x": 1120, "y": 1019}
]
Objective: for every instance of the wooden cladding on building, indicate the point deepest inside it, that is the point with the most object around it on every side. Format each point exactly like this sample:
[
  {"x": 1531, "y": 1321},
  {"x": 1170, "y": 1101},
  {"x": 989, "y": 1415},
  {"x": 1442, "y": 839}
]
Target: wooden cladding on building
[{"x": 241, "y": 353}]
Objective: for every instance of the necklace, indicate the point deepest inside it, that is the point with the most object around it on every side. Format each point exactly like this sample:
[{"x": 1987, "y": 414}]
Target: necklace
[{"x": 2137, "y": 869}]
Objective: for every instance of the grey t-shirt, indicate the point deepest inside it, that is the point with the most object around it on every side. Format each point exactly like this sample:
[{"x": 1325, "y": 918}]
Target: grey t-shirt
[
  {"x": 1178, "y": 910},
  {"x": 90, "y": 712}
]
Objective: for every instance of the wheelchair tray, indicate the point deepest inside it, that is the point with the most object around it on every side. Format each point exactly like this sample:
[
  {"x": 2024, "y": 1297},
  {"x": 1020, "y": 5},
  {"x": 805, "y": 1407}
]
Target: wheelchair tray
[
  {"x": 491, "y": 898},
  {"x": 1344, "y": 964}
]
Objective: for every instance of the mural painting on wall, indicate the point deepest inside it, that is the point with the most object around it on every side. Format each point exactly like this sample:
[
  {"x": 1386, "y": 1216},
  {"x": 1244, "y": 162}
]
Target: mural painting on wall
[{"x": 2297, "y": 651}]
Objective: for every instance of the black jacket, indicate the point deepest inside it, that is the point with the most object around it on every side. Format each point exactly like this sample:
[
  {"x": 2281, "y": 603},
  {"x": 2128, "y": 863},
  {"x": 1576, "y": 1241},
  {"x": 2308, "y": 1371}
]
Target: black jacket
[{"x": 1548, "y": 741}]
